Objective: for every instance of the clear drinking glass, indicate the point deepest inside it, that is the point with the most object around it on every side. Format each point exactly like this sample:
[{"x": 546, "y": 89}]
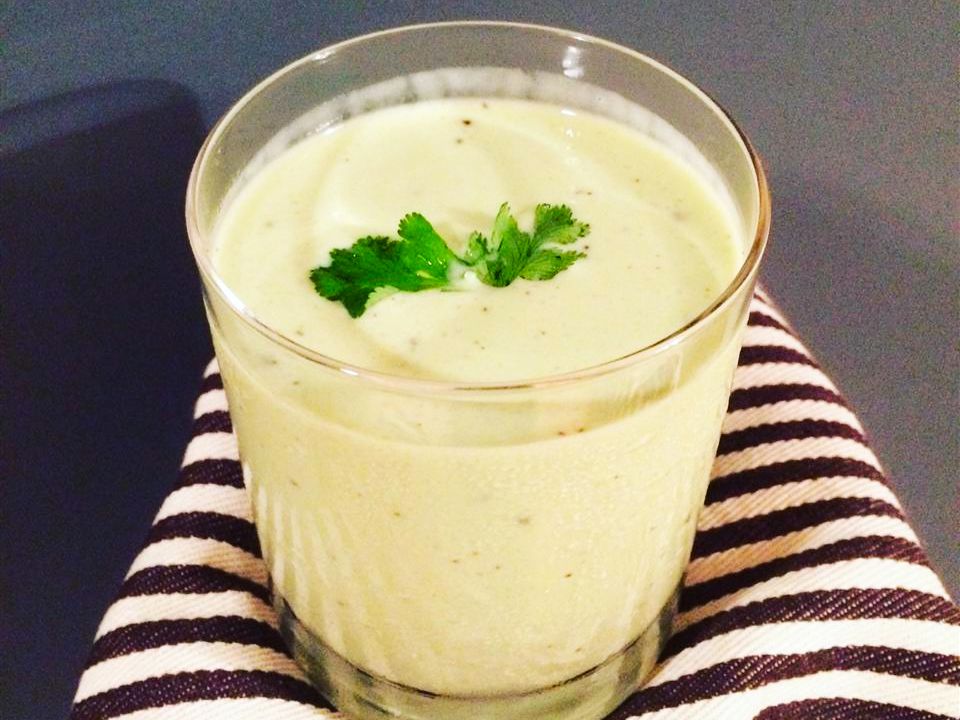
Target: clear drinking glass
[{"x": 476, "y": 550}]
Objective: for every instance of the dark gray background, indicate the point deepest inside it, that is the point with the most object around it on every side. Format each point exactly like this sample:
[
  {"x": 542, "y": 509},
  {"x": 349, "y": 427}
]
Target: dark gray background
[{"x": 853, "y": 107}]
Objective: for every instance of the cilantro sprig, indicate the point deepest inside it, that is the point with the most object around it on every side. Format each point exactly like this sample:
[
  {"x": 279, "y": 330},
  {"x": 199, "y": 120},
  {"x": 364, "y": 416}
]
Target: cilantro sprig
[{"x": 420, "y": 259}]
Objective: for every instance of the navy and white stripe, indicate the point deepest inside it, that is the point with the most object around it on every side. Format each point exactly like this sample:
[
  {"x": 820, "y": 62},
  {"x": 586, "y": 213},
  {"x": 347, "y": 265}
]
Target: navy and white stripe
[{"x": 808, "y": 594}]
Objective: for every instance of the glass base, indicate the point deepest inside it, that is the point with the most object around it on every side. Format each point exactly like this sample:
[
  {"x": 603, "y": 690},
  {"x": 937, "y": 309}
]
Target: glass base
[{"x": 588, "y": 696}]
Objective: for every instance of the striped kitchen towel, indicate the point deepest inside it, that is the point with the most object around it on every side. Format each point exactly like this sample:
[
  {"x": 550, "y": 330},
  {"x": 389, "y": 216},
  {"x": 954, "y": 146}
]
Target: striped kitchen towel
[{"x": 807, "y": 596}]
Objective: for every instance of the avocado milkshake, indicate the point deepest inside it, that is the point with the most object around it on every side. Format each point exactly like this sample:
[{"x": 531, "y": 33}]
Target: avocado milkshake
[
  {"x": 523, "y": 558},
  {"x": 477, "y": 326}
]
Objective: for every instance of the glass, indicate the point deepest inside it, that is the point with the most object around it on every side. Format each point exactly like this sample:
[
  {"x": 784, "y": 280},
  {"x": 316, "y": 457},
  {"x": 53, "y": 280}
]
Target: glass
[{"x": 476, "y": 550}]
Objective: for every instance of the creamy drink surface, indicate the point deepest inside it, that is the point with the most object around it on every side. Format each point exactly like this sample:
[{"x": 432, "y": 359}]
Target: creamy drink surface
[
  {"x": 661, "y": 245},
  {"x": 471, "y": 549}
]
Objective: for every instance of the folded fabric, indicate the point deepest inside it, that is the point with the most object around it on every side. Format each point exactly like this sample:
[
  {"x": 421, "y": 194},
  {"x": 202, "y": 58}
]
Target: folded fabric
[{"x": 807, "y": 595}]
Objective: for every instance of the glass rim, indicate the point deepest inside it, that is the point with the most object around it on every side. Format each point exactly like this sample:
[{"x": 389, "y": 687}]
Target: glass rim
[{"x": 744, "y": 275}]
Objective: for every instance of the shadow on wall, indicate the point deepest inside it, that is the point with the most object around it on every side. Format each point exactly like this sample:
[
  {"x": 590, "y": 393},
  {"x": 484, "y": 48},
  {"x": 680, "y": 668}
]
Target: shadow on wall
[{"x": 103, "y": 341}]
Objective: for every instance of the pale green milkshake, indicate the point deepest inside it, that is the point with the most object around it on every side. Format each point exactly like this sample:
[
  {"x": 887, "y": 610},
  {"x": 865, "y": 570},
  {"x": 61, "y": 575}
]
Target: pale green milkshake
[
  {"x": 446, "y": 567},
  {"x": 471, "y": 494}
]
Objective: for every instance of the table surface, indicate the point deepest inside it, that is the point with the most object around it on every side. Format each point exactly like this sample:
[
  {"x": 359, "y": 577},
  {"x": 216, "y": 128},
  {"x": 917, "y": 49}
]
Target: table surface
[{"x": 853, "y": 107}]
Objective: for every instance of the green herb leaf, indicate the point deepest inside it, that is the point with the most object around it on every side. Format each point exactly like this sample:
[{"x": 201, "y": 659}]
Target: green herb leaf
[
  {"x": 555, "y": 223},
  {"x": 424, "y": 252},
  {"x": 510, "y": 250},
  {"x": 544, "y": 264},
  {"x": 373, "y": 263},
  {"x": 377, "y": 266},
  {"x": 512, "y": 253},
  {"x": 477, "y": 249}
]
